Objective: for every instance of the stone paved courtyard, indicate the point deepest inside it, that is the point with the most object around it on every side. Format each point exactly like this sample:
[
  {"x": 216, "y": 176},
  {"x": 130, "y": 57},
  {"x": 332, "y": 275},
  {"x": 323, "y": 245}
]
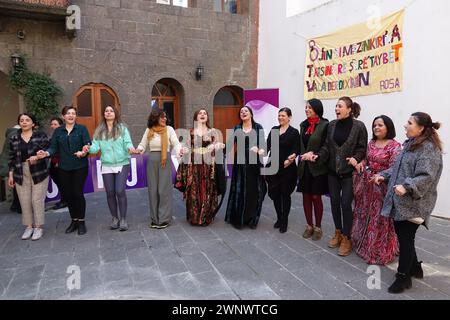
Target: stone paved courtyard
[{"x": 186, "y": 262}]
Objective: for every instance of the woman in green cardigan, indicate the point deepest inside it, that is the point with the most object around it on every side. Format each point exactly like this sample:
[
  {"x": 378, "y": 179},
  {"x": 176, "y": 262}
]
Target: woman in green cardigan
[
  {"x": 313, "y": 178},
  {"x": 113, "y": 140}
]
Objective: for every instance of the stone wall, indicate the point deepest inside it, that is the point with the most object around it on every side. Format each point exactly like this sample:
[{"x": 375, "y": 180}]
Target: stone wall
[{"x": 130, "y": 44}]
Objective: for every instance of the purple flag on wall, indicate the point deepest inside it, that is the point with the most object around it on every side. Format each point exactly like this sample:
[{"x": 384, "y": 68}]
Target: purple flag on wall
[{"x": 264, "y": 103}]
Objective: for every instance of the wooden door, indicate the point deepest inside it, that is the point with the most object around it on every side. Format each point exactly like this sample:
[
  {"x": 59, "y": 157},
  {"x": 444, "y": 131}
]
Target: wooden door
[
  {"x": 226, "y": 117},
  {"x": 227, "y": 103},
  {"x": 91, "y": 101}
]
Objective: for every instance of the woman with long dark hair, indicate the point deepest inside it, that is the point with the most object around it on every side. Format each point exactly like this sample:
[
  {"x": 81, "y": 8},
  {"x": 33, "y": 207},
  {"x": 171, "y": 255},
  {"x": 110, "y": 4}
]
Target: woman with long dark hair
[
  {"x": 373, "y": 235},
  {"x": 197, "y": 178},
  {"x": 282, "y": 184},
  {"x": 412, "y": 192},
  {"x": 160, "y": 138},
  {"x": 113, "y": 140},
  {"x": 248, "y": 188}
]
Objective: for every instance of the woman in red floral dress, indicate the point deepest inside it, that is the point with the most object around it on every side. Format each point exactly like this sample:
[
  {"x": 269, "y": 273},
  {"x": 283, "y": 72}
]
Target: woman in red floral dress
[
  {"x": 197, "y": 179},
  {"x": 373, "y": 235}
]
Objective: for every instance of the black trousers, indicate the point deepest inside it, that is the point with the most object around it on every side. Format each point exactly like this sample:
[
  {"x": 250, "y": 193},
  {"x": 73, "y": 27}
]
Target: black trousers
[
  {"x": 54, "y": 174},
  {"x": 406, "y": 234},
  {"x": 282, "y": 205},
  {"x": 72, "y": 190},
  {"x": 341, "y": 194}
]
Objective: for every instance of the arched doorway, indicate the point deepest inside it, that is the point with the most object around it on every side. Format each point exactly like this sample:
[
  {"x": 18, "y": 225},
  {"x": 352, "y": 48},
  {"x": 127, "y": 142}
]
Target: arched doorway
[
  {"x": 227, "y": 102},
  {"x": 91, "y": 101},
  {"x": 166, "y": 95}
]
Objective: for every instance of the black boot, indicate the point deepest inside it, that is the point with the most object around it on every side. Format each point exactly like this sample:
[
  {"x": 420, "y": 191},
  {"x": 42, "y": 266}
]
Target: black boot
[
  {"x": 284, "y": 221},
  {"x": 417, "y": 271},
  {"x": 277, "y": 224},
  {"x": 81, "y": 228},
  {"x": 252, "y": 224},
  {"x": 72, "y": 227},
  {"x": 284, "y": 224},
  {"x": 401, "y": 283}
]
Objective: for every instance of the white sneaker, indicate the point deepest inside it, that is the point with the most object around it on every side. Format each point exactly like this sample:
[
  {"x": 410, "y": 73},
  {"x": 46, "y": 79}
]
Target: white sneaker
[
  {"x": 27, "y": 234},
  {"x": 123, "y": 225},
  {"x": 37, "y": 234}
]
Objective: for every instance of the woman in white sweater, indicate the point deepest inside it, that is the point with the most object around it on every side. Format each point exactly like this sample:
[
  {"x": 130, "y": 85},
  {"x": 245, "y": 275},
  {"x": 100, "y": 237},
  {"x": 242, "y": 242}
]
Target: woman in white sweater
[{"x": 160, "y": 139}]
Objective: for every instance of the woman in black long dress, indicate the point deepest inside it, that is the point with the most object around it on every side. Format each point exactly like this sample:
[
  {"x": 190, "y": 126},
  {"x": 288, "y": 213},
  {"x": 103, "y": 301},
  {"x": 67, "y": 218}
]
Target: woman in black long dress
[
  {"x": 283, "y": 183},
  {"x": 248, "y": 188}
]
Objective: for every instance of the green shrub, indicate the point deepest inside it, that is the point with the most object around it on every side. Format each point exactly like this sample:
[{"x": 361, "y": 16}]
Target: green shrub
[{"x": 40, "y": 92}]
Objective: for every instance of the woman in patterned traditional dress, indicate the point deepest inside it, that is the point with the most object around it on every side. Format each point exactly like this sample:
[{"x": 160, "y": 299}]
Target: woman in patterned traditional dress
[
  {"x": 198, "y": 176},
  {"x": 373, "y": 235}
]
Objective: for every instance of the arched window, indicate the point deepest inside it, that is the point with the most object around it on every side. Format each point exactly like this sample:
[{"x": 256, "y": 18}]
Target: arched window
[
  {"x": 91, "y": 101},
  {"x": 226, "y": 97},
  {"x": 166, "y": 96}
]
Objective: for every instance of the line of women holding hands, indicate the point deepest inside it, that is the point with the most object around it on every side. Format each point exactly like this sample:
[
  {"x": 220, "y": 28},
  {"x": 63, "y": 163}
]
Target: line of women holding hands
[{"x": 393, "y": 189}]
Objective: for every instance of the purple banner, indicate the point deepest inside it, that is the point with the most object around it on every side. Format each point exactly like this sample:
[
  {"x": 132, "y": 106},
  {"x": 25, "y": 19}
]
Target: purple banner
[
  {"x": 264, "y": 103},
  {"x": 137, "y": 177},
  {"x": 267, "y": 96}
]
